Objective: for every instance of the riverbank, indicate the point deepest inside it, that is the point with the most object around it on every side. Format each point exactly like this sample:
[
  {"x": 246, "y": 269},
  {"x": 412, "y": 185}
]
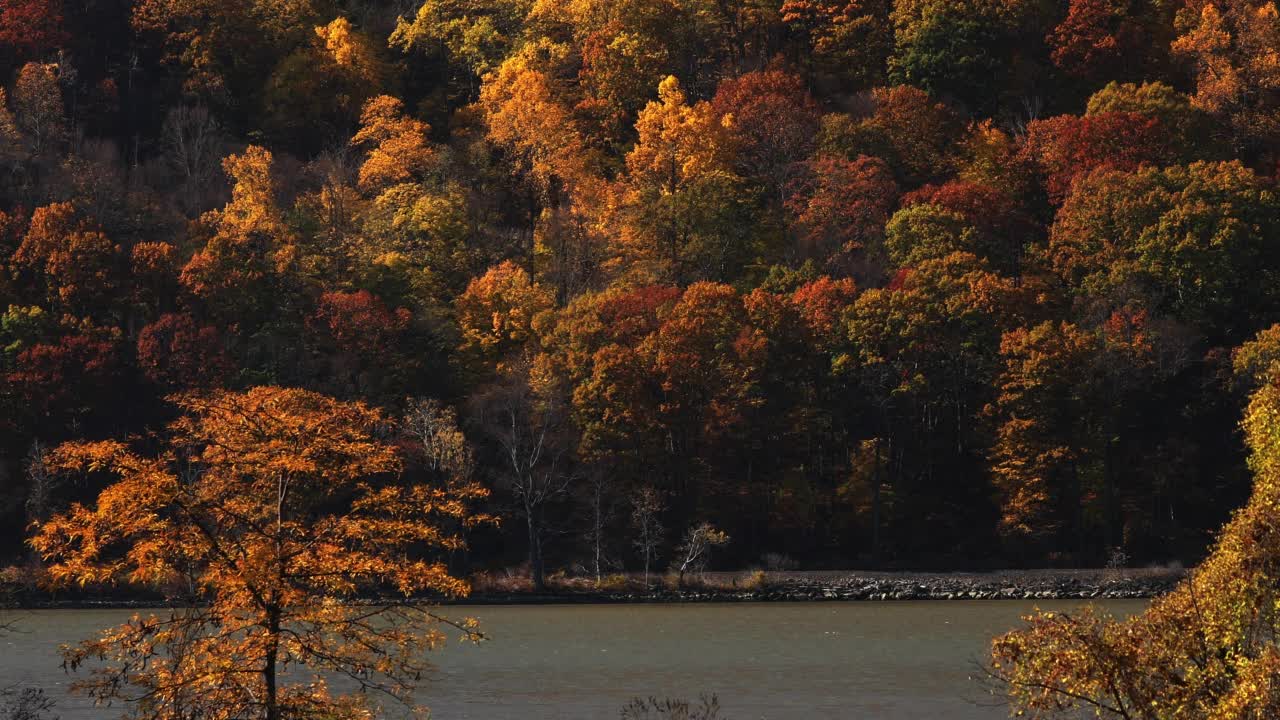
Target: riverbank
[
  {"x": 754, "y": 586},
  {"x": 799, "y": 586}
]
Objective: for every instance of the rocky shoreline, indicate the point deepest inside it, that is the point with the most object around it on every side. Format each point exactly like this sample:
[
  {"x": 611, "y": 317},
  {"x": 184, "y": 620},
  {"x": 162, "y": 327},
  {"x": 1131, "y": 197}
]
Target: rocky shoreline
[
  {"x": 790, "y": 586},
  {"x": 887, "y": 586}
]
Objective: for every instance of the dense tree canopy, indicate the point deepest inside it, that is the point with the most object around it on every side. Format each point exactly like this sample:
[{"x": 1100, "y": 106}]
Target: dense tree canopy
[{"x": 891, "y": 282}]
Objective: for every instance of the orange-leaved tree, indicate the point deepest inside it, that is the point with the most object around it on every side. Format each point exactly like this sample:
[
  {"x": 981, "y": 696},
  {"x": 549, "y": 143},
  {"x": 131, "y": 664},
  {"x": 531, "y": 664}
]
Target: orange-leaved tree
[
  {"x": 1208, "y": 649},
  {"x": 295, "y": 552}
]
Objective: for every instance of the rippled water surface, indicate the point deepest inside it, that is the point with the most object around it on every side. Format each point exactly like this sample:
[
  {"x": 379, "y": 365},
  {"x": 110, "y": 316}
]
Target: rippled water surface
[{"x": 781, "y": 661}]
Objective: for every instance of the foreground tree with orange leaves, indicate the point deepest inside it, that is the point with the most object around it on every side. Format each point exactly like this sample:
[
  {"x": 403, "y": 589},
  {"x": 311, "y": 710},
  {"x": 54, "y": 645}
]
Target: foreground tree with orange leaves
[
  {"x": 1208, "y": 649},
  {"x": 268, "y": 514}
]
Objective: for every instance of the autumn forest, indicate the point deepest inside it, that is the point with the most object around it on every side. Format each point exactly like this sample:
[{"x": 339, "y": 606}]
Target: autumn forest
[{"x": 836, "y": 283}]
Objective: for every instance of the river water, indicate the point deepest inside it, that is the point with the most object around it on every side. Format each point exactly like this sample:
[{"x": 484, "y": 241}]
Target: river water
[{"x": 780, "y": 661}]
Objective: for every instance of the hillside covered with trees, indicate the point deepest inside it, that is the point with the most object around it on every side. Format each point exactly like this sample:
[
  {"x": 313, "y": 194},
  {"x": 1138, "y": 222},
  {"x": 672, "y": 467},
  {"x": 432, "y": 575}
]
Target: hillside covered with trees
[{"x": 943, "y": 283}]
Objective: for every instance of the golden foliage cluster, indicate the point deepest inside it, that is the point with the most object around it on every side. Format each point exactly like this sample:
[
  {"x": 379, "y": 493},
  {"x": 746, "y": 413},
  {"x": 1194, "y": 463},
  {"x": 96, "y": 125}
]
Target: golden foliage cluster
[{"x": 281, "y": 522}]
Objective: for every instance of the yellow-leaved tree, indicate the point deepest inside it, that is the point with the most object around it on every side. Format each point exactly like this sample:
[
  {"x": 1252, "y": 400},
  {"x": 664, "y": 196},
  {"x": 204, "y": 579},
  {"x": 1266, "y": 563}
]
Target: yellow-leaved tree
[
  {"x": 1208, "y": 649},
  {"x": 282, "y": 527}
]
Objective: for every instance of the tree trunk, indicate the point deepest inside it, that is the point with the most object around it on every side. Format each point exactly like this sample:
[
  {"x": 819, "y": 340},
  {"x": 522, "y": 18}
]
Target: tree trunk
[
  {"x": 876, "y": 482},
  {"x": 1110, "y": 504},
  {"x": 535, "y": 554},
  {"x": 271, "y": 699},
  {"x": 598, "y": 529}
]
